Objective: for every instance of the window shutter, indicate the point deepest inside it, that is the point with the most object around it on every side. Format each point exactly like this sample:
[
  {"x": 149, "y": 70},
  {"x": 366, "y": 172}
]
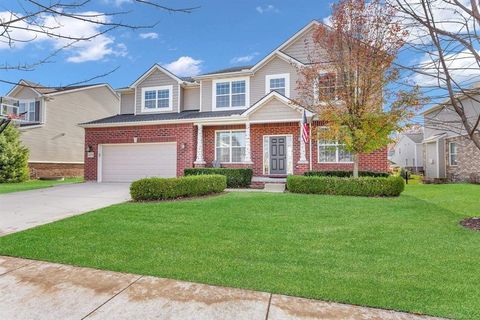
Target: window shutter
[{"x": 37, "y": 111}]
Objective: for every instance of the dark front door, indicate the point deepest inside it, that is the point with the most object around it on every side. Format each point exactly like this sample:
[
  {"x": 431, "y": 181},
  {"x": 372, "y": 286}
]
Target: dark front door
[{"x": 278, "y": 155}]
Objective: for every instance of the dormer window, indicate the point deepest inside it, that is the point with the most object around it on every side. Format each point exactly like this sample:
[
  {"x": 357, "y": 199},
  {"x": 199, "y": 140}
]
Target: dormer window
[
  {"x": 157, "y": 99},
  {"x": 230, "y": 93},
  {"x": 279, "y": 83}
]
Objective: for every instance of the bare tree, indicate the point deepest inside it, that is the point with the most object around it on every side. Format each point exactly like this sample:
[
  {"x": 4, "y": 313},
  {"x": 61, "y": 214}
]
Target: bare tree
[
  {"x": 38, "y": 19},
  {"x": 445, "y": 34}
]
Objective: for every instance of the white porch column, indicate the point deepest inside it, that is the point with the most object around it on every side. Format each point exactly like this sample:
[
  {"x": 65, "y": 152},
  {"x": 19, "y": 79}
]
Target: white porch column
[
  {"x": 248, "y": 152},
  {"x": 303, "y": 155},
  {"x": 200, "y": 160}
]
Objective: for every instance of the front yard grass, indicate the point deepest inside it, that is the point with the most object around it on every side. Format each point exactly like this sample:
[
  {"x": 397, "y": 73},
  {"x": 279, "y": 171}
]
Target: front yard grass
[
  {"x": 407, "y": 253},
  {"x": 34, "y": 184}
]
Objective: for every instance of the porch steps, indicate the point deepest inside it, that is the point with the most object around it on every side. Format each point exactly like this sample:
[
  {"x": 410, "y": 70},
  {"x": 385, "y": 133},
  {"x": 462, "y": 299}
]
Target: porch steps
[{"x": 274, "y": 187}]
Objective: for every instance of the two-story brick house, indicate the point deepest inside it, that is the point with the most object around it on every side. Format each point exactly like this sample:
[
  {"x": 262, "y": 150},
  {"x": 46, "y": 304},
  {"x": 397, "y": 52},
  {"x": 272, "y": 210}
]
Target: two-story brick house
[{"x": 236, "y": 117}]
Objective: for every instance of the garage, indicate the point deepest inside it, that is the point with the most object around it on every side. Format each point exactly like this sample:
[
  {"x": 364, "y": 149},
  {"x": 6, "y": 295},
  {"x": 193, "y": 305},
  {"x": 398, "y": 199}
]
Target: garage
[{"x": 130, "y": 162}]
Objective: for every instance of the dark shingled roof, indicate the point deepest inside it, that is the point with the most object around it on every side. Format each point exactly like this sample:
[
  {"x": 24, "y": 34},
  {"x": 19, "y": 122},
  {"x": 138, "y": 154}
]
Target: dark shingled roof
[
  {"x": 185, "y": 115},
  {"x": 232, "y": 69},
  {"x": 45, "y": 90},
  {"x": 415, "y": 137}
]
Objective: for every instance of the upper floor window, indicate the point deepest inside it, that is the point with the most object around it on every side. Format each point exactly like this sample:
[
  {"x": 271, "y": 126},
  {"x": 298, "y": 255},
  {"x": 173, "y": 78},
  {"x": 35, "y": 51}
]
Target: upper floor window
[
  {"x": 279, "y": 83},
  {"x": 157, "y": 98},
  {"x": 453, "y": 154},
  {"x": 30, "y": 110},
  {"x": 326, "y": 86},
  {"x": 230, "y": 93}
]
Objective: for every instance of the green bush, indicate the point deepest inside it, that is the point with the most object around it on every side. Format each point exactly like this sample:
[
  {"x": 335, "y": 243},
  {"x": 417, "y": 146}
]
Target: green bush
[
  {"x": 363, "y": 186},
  {"x": 171, "y": 188},
  {"x": 13, "y": 156},
  {"x": 236, "y": 178},
  {"x": 341, "y": 173}
]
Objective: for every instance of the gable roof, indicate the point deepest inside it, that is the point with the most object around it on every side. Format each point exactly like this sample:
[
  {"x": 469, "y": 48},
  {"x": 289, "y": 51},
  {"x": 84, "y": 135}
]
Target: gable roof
[
  {"x": 44, "y": 90},
  {"x": 416, "y": 137},
  {"x": 275, "y": 95},
  {"x": 276, "y": 52},
  {"x": 158, "y": 67}
]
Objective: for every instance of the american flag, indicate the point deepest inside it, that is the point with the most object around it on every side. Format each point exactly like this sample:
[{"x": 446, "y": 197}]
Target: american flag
[{"x": 305, "y": 131}]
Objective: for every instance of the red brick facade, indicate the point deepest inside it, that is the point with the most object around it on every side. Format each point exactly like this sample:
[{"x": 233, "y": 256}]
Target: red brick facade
[
  {"x": 186, "y": 134},
  {"x": 183, "y": 134}
]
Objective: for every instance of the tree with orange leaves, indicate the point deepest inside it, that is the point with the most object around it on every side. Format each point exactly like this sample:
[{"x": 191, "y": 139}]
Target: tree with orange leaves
[{"x": 350, "y": 80}]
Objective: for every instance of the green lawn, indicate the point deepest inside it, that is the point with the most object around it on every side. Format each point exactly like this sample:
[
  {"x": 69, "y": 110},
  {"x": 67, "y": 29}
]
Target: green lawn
[
  {"x": 407, "y": 253},
  {"x": 33, "y": 184}
]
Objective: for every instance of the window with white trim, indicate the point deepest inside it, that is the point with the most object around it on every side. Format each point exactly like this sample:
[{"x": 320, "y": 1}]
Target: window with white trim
[
  {"x": 230, "y": 93},
  {"x": 333, "y": 152},
  {"x": 30, "y": 108},
  {"x": 157, "y": 98},
  {"x": 453, "y": 153},
  {"x": 230, "y": 146},
  {"x": 279, "y": 83}
]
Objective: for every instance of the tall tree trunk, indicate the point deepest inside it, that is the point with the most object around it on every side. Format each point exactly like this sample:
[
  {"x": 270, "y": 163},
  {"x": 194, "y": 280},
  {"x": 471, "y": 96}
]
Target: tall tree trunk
[{"x": 355, "y": 165}]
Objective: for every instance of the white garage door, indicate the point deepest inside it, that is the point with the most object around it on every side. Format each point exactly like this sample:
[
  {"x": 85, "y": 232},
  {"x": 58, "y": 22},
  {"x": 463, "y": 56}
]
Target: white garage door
[{"x": 129, "y": 162}]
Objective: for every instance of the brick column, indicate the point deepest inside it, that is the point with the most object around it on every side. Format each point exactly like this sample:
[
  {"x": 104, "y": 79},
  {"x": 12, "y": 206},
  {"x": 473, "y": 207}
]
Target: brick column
[{"x": 199, "y": 162}]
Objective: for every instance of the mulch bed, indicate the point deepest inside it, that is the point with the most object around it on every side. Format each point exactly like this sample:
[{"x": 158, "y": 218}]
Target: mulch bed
[{"x": 471, "y": 223}]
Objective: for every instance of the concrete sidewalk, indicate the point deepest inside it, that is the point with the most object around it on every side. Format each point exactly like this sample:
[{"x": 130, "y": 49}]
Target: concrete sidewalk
[
  {"x": 26, "y": 209},
  {"x": 40, "y": 290}
]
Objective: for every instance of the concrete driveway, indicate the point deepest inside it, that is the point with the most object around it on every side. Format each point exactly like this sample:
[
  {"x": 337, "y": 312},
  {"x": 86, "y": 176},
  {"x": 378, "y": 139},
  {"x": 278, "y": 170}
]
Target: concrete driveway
[{"x": 27, "y": 209}]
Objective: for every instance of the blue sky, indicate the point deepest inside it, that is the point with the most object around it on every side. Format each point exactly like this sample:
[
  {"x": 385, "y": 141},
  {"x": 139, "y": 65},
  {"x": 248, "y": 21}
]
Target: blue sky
[{"x": 217, "y": 35}]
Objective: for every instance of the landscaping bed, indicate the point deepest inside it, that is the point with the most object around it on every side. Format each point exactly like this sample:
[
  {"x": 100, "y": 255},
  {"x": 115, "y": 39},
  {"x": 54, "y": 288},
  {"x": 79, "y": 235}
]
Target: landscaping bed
[{"x": 407, "y": 253}]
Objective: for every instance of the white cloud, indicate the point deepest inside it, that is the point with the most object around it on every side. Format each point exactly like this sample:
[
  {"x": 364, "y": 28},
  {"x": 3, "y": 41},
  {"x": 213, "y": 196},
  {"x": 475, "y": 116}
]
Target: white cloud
[
  {"x": 243, "y": 59},
  {"x": 149, "y": 35},
  {"x": 184, "y": 66},
  {"x": 117, "y": 3},
  {"x": 270, "y": 8},
  {"x": 96, "y": 48},
  {"x": 462, "y": 66},
  {"x": 447, "y": 17}
]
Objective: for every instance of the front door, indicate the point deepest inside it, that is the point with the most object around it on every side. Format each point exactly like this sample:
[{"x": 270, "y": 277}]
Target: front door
[{"x": 278, "y": 155}]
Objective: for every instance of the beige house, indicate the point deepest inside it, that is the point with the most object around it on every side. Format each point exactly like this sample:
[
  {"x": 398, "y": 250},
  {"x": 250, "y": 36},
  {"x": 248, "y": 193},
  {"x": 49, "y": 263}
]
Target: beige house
[
  {"x": 49, "y": 122},
  {"x": 448, "y": 153}
]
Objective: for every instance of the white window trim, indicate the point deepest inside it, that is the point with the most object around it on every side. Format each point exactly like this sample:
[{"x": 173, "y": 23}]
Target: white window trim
[
  {"x": 27, "y": 102},
  {"x": 450, "y": 154},
  {"x": 170, "y": 98},
  {"x": 286, "y": 76},
  {"x": 332, "y": 144},
  {"x": 247, "y": 93},
  {"x": 230, "y": 131}
]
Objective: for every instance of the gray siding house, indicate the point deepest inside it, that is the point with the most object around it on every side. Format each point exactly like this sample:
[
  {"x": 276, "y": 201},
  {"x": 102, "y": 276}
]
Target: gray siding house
[
  {"x": 448, "y": 153},
  {"x": 49, "y": 124},
  {"x": 408, "y": 151}
]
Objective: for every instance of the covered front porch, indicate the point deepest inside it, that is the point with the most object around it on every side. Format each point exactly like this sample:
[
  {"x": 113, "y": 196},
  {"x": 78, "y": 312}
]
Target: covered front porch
[{"x": 267, "y": 138}]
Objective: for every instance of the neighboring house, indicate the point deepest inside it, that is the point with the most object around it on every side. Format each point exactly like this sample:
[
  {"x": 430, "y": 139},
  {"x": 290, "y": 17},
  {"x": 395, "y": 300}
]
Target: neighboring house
[
  {"x": 49, "y": 127},
  {"x": 449, "y": 154},
  {"x": 236, "y": 118},
  {"x": 408, "y": 151}
]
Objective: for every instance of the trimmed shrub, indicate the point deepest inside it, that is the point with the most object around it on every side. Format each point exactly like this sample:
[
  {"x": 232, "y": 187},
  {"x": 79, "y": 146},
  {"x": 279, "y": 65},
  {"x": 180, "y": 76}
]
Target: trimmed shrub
[
  {"x": 236, "y": 177},
  {"x": 345, "y": 174},
  {"x": 13, "y": 156},
  {"x": 364, "y": 186},
  {"x": 171, "y": 188}
]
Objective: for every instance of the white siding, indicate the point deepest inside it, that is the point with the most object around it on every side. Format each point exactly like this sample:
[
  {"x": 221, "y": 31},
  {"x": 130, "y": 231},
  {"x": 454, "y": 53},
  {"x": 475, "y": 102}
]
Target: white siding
[
  {"x": 60, "y": 139},
  {"x": 300, "y": 48},
  {"x": 127, "y": 103},
  {"x": 191, "y": 98},
  {"x": 206, "y": 86},
  {"x": 275, "y": 110},
  {"x": 274, "y": 66}
]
